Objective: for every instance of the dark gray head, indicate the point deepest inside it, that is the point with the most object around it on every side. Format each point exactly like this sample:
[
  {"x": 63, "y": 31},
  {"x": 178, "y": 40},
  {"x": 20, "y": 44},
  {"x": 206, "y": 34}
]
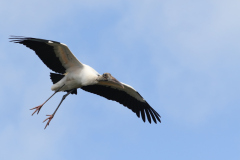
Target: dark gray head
[{"x": 108, "y": 79}]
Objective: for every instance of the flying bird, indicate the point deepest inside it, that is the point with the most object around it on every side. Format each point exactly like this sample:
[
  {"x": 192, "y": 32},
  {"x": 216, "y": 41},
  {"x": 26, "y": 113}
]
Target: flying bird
[{"x": 70, "y": 74}]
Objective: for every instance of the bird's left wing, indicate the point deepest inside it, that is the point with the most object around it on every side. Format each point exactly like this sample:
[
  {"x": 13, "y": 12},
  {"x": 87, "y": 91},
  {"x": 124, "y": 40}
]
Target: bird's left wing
[
  {"x": 126, "y": 96},
  {"x": 55, "y": 55}
]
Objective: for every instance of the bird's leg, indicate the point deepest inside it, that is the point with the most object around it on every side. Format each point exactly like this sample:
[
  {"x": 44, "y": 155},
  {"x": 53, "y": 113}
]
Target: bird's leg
[
  {"x": 38, "y": 108},
  {"x": 52, "y": 115}
]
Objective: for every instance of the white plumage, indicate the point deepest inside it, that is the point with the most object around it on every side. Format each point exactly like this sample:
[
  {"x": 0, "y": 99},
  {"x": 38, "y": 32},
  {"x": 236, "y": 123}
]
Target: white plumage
[{"x": 76, "y": 77}]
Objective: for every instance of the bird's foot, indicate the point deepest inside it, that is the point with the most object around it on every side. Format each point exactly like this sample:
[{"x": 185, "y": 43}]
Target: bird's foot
[
  {"x": 49, "y": 120},
  {"x": 37, "y": 109}
]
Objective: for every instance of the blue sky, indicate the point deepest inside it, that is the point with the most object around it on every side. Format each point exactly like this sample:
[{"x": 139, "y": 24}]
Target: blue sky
[{"x": 182, "y": 57}]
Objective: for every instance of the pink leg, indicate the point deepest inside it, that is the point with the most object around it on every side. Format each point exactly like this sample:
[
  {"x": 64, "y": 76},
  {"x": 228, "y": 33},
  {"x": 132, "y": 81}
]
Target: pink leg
[
  {"x": 49, "y": 120},
  {"x": 38, "y": 108},
  {"x": 52, "y": 115}
]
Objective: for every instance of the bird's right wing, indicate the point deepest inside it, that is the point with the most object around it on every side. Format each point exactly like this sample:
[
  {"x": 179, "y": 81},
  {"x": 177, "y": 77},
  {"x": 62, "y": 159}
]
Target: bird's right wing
[
  {"x": 55, "y": 55},
  {"x": 126, "y": 96}
]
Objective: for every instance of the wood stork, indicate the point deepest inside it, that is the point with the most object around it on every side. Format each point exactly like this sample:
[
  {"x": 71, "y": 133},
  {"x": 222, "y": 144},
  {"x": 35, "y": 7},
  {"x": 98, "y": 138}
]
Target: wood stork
[{"x": 72, "y": 74}]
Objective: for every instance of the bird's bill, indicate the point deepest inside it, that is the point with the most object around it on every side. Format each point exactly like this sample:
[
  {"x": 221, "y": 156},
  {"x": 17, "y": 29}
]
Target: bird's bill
[
  {"x": 114, "y": 80},
  {"x": 111, "y": 82}
]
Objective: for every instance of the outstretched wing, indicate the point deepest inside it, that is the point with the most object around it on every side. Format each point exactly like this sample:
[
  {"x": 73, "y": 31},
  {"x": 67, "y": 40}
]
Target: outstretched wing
[
  {"x": 126, "y": 96},
  {"x": 55, "y": 55}
]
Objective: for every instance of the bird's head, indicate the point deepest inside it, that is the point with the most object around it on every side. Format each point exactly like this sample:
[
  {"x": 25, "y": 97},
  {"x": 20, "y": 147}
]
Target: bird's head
[{"x": 108, "y": 80}]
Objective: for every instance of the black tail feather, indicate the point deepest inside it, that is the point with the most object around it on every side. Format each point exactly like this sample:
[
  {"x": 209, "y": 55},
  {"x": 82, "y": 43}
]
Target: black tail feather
[{"x": 56, "y": 77}]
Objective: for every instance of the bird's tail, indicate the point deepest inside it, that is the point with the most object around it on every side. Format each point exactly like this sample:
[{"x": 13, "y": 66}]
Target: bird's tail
[{"x": 56, "y": 77}]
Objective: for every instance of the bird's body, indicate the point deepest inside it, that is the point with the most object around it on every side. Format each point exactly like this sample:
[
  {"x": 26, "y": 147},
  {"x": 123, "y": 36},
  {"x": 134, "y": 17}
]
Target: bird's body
[
  {"x": 71, "y": 74},
  {"x": 76, "y": 78}
]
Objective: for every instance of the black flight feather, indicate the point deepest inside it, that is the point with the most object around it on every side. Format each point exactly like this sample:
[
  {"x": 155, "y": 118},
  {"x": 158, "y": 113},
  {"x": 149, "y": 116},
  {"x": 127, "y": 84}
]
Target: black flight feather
[
  {"x": 44, "y": 51},
  {"x": 125, "y": 99}
]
